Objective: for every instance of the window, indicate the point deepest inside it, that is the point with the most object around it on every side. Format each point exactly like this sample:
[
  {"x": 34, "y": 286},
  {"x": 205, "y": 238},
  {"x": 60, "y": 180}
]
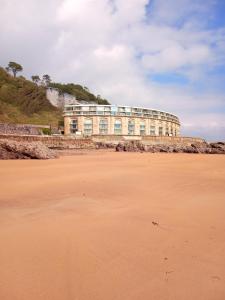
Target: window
[
  {"x": 85, "y": 108},
  {"x": 167, "y": 130},
  {"x": 160, "y": 130},
  {"x": 152, "y": 130},
  {"x": 73, "y": 126},
  {"x": 142, "y": 128},
  {"x": 103, "y": 126},
  {"x": 92, "y": 109},
  {"x": 118, "y": 126},
  {"x": 107, "y": 111},
  {"x": 131, "y": 127},
  {"x": 113, "y": 110},
  {"x": 100, "y": 110},
  {"x": 88, "y": 126}
]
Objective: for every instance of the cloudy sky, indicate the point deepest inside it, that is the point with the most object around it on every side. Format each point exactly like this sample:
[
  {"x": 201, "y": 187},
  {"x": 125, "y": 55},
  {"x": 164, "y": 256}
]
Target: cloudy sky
[{"x": 163, "y": 54}]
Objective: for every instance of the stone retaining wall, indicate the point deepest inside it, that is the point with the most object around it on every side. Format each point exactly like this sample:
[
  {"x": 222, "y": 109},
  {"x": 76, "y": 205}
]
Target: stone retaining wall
[
  {"x": 64, "y": 142},
  {"x": 53, "y": 142},
  {"x": 21, "y": 129},
  {"x": 148, "y": 140}
]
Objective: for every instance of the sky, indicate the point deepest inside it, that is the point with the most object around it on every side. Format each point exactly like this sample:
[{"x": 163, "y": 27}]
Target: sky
[{"x": 167, "y": 55}]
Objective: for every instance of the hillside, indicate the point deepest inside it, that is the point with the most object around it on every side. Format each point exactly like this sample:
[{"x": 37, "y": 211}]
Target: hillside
[
  {"x": 81, "y": 93},
  {"x": 22, "y": 101}
]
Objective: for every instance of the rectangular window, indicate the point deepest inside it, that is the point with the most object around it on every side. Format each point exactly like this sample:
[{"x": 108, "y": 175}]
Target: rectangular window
[
  {"x": 167, "y": 131},
  {"x": 131, "y": 127},
  {"x": 118, "y": 127},
  {"x": 73, "y": 126},
  {"x": 160, "y": 130},
  {"x": 142, "y": 128},
  {"x": 88, "y": 127},
  {"x": 103, "y": 126},
  {"x": 152, "y": 130}
]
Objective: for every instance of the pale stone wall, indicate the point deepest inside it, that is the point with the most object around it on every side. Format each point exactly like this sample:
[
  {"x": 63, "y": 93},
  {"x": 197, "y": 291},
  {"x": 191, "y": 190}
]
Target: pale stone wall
[
  {"x": 111, "y": 128},
  {"x": 173, "y": 128},
  {"x": 96, "y": 125},
  {"x": 124, "y": 125},
  {"x": 167, "y": 127},
  {"x": 137, "y": 126},
  {"x": 81, "y": 124},
  {"x": 67, "y": 121}
]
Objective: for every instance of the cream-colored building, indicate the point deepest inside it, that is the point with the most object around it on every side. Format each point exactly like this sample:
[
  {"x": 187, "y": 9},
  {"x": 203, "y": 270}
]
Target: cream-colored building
[{"x": 93, "y": 119}]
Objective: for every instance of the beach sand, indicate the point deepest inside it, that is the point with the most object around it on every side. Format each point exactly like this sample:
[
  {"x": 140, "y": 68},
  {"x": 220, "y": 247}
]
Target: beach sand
[{"x": 113, "y": 226}]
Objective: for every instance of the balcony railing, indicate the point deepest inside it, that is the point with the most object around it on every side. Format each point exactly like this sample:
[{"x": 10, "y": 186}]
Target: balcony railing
[{"x": 121, "y": 111}]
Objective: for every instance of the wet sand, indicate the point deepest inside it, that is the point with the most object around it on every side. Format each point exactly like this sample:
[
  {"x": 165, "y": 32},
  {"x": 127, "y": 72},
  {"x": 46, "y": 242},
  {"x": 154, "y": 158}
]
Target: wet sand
[{"x": 80, "y": 227}]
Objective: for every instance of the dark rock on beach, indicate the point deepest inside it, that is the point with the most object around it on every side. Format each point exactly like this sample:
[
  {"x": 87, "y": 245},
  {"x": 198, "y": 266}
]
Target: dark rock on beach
[
  {"x": 24, "y": 150},
  {"x": 207, "y": 148},
  {"x": 101, "y": 145}
]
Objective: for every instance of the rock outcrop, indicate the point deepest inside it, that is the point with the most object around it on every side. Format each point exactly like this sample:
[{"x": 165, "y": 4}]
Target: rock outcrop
[
  {"x": 102, "y": 145},
  {"x": 24, "y": 150},
  {"x": 207, "y": 148}
]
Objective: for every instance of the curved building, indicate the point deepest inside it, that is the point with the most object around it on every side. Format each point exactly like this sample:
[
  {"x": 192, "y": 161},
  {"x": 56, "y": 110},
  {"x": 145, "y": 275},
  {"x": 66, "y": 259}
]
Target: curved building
[{"x": 92, "y": 119}]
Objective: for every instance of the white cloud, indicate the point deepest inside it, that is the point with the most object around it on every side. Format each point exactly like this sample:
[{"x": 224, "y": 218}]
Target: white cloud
[
  {"x": 176, "y": 57},
  {"x": 210, "y": 126}
]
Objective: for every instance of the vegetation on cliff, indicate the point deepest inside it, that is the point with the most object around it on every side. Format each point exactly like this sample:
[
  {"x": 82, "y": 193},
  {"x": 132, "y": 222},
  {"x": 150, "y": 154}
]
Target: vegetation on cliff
[
  {"x": 24, "y": 101},
  {"x": 81, "y": 93}
]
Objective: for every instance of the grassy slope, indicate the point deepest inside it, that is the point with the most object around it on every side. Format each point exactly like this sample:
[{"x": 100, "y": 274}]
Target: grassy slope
[{"x": 21, "y": 101}]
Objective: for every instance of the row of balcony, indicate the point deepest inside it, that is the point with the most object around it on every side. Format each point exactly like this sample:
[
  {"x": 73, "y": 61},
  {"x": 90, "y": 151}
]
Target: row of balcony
[
  {"x": 110, "y": 110},
  {"x": 157, "y": 117}
]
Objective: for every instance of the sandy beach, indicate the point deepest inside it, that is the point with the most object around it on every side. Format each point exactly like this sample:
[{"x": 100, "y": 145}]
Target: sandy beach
[{"x": 113, "y": 226}]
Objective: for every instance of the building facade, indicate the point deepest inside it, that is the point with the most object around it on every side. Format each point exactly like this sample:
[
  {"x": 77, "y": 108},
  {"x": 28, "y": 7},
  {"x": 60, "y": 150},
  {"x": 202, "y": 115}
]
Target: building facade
[{"x": 96, "y": 119}]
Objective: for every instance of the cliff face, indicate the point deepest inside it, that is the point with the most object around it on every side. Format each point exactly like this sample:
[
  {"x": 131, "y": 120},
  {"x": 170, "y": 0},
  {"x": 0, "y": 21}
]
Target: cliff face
[
  {"x": 77, "y": 92},
  {"x": 58, "y": 99}
]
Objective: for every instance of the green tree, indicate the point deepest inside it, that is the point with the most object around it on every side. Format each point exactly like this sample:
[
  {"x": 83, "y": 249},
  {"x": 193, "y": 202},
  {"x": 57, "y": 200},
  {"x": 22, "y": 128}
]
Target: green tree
[
  {"x": 14, "y": 68},
  {"x": 36, "y": 79},
  {"x": 46, "y": 131},
  {"x": 46, "y": 79}
]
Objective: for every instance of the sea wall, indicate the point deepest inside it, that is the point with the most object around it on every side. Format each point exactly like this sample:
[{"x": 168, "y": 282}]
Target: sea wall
[
  {"x": 65, "y": 142},
  {"x": 147, "y": 140},
  {"x": 21, "y": 129},
  {"x": 53, "y": 142}
]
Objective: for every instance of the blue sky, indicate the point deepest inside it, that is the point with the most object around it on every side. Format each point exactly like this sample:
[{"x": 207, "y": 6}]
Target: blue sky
[{"x": 167, "y": 55}]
